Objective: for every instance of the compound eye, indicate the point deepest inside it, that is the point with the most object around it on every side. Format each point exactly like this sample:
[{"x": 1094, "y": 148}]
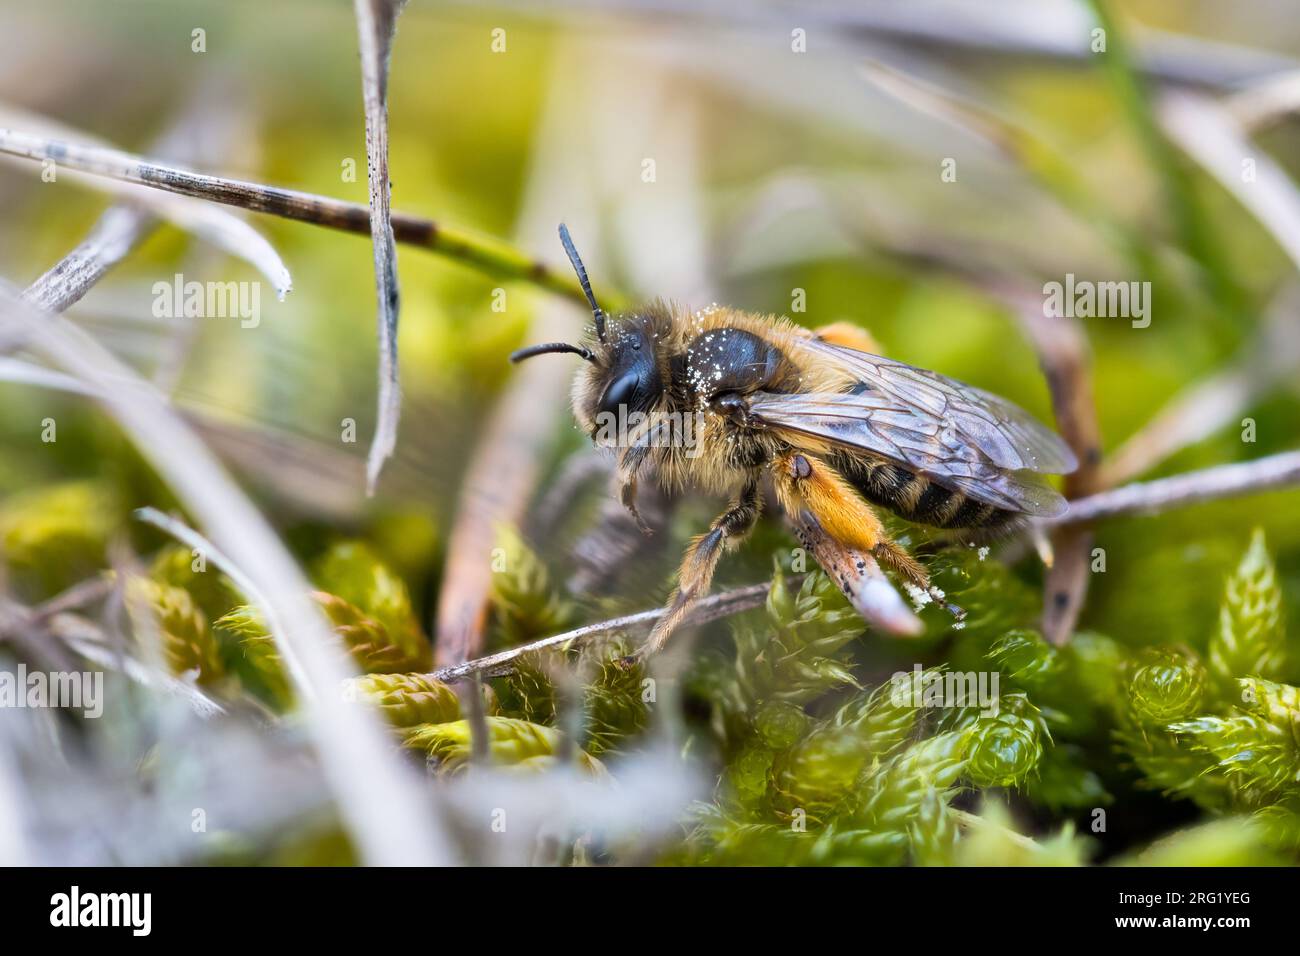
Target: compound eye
[{"x": 620, "y": 392}]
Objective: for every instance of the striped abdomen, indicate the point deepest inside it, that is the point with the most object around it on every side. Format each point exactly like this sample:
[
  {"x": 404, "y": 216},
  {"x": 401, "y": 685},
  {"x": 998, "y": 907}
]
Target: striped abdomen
[{"x": 919, "y": 499}]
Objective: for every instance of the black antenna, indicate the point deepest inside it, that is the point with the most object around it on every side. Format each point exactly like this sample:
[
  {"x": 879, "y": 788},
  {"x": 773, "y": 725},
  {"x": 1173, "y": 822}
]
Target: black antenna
[
  {"x": 579, "y": 268},
  {"x": 532, "y": 350}
]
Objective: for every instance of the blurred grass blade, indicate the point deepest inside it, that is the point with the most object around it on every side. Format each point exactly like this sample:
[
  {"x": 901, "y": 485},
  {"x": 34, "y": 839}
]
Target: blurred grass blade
[
  {"x": 1048, "y": 166},
  {"x": 123, "y": 226},
  {"x": 247, "y": 586},
  {"x": 13, "y": 837},
  {"x": 21, "y": 372},
  {"x": 1012, "y": 140},
  {"x": 1208, "y": 405},
  {"x": 1206, "y": 132},
  {"x": 76, "y": 154},
  {"x": 86, "y": 640},
  {"x": 1266, "y": 103},
  {"x": 376, "y": 23},
  {"x": 1197, "y": 234},
  {"x": 1024, "y": 30},
  {"x": 1061, "y": 344},
  {"x": 118, "y": 231},
  {"x": 377, "y": 797}
]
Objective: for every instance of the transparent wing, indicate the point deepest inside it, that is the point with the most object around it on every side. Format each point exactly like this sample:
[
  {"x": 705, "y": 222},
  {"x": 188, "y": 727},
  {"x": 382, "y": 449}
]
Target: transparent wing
[
  {"x": 954, "y": 434},
  {"x": 1006, "y": 435},
  {"x": 922, "y": 443}
]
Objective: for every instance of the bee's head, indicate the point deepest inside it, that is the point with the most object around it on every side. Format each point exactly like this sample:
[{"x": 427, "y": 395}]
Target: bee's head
[{"x": 623, "y": 373}]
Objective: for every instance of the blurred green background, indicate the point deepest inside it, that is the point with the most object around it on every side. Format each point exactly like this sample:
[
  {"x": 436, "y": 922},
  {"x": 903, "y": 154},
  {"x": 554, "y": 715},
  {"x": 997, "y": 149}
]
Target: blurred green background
[
  {"x": 775, "y": 171},
  {"x": 783, "y": 171}
]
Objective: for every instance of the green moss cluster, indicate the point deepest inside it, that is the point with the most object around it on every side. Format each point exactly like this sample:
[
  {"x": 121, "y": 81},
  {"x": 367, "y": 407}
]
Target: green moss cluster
[
  {"x": 869, "y": 779},
  {"x": 1221, "y": 729},
  {"x": 826, "y": 745},
  {"x": 823, "y": 770}
]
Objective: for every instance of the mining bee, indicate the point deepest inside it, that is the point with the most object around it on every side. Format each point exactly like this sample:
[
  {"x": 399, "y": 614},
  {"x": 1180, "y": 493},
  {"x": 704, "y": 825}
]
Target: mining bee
[{"x": 836, "y": 428}]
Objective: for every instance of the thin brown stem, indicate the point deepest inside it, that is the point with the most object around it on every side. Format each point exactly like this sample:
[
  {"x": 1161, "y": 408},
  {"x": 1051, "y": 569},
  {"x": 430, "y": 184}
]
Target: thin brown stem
[
  {"x": 486, "y": 253},
  {"x": 1222, "y": 481},
  {"x": 504, "y": 662}
]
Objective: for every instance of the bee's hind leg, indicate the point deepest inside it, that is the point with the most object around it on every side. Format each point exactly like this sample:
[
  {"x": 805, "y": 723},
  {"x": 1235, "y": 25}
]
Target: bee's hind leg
[
  {"x": 701, "y": 560},
  {"x": 890, "y": 553},
  {"x": 804, "y": 482}
]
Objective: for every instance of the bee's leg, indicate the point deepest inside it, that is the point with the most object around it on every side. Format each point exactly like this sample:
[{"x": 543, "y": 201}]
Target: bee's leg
[
  {"x": 806, "y": 483},
  {"x": 701, "y": 560},
  {"x": 627, "y": 496},
  {"x": 629, "y": 463},
  {"x": 848, "y": 335},
  {"x": 889, "y": 552}
]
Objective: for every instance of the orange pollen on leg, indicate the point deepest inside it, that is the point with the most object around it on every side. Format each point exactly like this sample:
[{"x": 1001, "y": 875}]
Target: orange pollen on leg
[{"x": 805, "y": 483}]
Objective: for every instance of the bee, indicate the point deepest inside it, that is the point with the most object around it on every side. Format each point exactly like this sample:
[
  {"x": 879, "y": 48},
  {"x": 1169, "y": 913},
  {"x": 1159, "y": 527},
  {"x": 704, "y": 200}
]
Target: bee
[{"x": 837, "y": 430}]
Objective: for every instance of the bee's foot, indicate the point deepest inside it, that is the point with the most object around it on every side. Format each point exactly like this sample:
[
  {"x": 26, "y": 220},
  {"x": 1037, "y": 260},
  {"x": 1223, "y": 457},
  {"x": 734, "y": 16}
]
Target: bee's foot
[
  {"x": 957, "y": 612},
  {"x": 641, "y": 525}
]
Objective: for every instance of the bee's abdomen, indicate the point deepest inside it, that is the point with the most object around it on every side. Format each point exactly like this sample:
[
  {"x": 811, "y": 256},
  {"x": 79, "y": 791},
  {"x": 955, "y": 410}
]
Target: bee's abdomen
[{"x": 919, "y": 499}]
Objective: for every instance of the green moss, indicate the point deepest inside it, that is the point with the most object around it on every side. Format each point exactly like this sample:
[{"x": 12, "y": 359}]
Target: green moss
[
  {"x": 188, "y": 644},
  {"x": 352, "y": 572},
  {"x": 54, "y": 537},
  {"x": 405, "y": 699},
  {"x": 1250, "y": 640},
  {"x": 525, "y": 605},
  {"x": 511, "y": 743}
]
